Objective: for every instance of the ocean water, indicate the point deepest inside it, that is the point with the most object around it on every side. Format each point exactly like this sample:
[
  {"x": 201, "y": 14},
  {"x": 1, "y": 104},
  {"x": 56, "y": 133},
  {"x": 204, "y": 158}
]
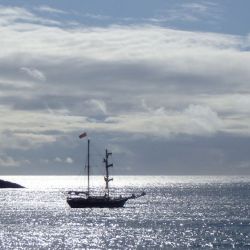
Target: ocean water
[{"x": 182, "y": 212}]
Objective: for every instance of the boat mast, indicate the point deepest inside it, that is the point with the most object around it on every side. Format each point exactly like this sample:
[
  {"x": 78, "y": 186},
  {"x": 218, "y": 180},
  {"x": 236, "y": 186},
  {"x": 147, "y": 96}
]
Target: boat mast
[
  {"x": 88, "y": 165},
  {"x": 107, "y": 166}
]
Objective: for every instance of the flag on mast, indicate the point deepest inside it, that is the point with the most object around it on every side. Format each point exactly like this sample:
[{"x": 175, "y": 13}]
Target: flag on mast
[{"x": 82, "y": 135}]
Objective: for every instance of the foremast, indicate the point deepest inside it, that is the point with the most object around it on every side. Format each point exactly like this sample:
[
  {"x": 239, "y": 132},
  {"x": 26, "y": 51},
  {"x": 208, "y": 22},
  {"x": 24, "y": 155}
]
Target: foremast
[{"x": 107, "y": 166}]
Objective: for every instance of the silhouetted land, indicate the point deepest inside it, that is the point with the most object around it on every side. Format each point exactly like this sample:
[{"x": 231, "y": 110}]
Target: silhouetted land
[{"x": 8, "y": 184}]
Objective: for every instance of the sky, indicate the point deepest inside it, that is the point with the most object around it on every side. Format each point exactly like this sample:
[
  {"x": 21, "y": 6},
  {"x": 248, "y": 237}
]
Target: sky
[{"x": 164, "y": 85}]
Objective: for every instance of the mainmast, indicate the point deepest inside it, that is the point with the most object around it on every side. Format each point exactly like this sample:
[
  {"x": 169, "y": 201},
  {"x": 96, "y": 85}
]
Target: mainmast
[
  {"x": 107, "y": 166},
  {"x": 88, "y": 165}
]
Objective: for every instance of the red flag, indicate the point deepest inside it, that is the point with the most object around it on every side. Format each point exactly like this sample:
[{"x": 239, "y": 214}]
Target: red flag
[{"x": 82, "y": 135}]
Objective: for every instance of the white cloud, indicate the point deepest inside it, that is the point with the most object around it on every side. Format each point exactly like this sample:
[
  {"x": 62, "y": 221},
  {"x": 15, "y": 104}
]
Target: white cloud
[
  {"x": 25, "y": 132},
  {"x": 202, "y": 119},
  {"x": 229, "y": 103},
  {"x": 8, "y": 161},
  {"x": 108, "y": 71},
  {"x": 192, "y": 11},
  {"x": 194, "y": 120},
  {"x": 115, "y": 42},
  {"x": 34, "y": 73},
  {"x": 27, "y": 129},
  {"x": 141, "y": 81},
  {"x": 97, "y": 105},
  {"x": 69, "y": 160},
  {"x": 13, "y": 15},
  {"x": 58, "y": 159},
  {"x": 46, "y": 8}
]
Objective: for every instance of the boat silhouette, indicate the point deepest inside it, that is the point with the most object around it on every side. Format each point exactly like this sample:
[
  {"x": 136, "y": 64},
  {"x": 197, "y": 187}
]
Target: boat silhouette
[{"x": 84, "y": 199}]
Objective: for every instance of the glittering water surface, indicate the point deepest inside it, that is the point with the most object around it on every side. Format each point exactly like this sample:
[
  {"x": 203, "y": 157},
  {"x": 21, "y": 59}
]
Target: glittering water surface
[{"x": 177, "y": 212}]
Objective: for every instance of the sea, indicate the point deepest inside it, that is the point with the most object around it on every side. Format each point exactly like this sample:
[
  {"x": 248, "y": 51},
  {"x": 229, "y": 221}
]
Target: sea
[{"x": 178, "y": 212}]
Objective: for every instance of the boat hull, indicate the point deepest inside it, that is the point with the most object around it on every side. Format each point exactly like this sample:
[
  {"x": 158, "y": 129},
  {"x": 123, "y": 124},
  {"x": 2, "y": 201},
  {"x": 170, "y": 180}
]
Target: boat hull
[{"x": 81, "y": 202}]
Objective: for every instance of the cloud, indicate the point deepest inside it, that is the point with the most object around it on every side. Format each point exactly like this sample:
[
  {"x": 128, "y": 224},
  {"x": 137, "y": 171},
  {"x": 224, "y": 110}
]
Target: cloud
[
  {"x": 138, "y": 82},
  {"x": 97, "y": 105},
  {"x": 68, "y": 160},
  {"x": 46, "y": 8},
  {"x": 93, "y": 74},
  {"x": 202, "y": 119},
  {"x": 244, "y": 164},
  {"x": 194, "y": 120},
  {"x": 14, "y": 15},
  {"x": 27, "y": 129},
  {"x": 114, "y": 42},
  {"x": 34, "y": 73},
  {"x": 8, "y": 161},
  {"x": 229, "y": 103},
  {"x": 192, "y": 11},
  {"x": 58, "y": 159}
]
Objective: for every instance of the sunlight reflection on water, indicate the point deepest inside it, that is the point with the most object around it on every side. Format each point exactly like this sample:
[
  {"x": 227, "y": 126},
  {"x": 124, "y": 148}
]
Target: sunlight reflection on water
[{"x": 177, "y": 212}]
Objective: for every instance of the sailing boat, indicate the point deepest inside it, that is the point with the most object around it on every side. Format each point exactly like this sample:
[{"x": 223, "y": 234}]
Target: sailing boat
[{"x": 79, "y": 199}]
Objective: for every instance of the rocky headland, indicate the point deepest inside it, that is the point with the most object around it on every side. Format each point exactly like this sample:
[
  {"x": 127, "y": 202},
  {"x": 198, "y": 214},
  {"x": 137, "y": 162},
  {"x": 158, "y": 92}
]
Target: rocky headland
[{"x": 8, "y": 184}]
